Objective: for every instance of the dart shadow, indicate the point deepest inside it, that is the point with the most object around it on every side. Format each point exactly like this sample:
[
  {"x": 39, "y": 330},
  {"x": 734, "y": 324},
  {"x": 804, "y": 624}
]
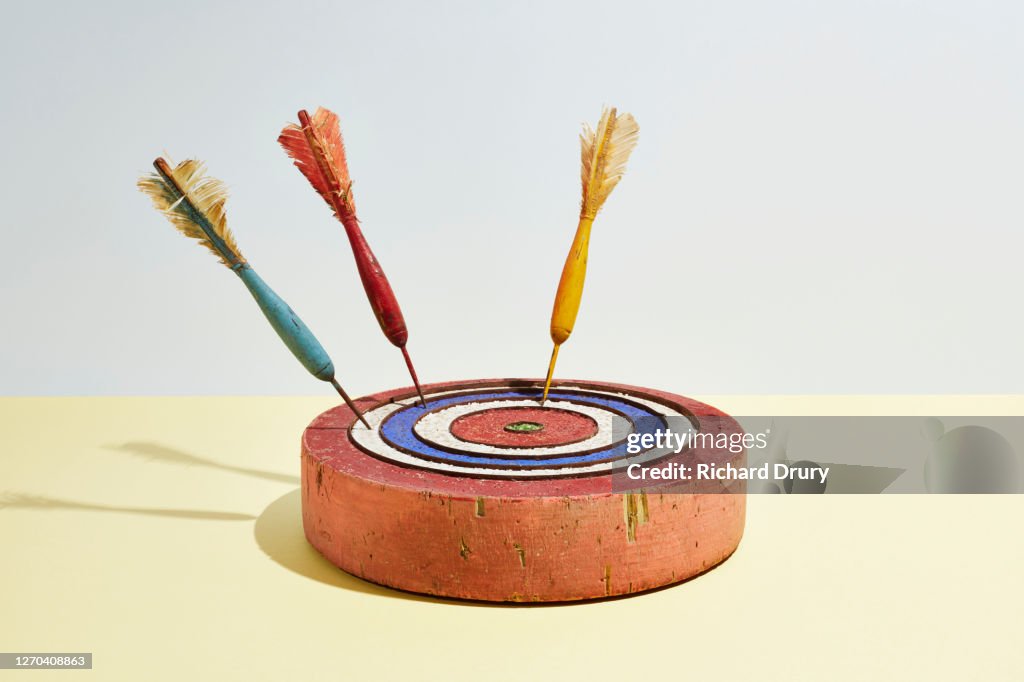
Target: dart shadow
[
  {"x": 151, "y": 452},
  {"x": 168, "y": 455},
  {"x": 15, "y": 500}
]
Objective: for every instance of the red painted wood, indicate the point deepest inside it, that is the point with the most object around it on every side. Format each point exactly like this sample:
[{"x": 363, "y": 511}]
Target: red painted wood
[
  {"x": 558, "y": 427},
  {"x": 506, "y": 540}
]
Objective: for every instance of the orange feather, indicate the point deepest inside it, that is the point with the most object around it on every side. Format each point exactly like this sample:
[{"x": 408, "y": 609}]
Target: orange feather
[{"x": 316, "y": 147}]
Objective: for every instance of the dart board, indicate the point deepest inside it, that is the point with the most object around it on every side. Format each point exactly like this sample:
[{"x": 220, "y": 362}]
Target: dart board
[{"x": 486, "y": 494}]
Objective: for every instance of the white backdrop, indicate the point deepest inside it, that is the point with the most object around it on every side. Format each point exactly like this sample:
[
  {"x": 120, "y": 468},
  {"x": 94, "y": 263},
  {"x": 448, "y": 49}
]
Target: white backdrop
[{"x": 826, "y": 197}]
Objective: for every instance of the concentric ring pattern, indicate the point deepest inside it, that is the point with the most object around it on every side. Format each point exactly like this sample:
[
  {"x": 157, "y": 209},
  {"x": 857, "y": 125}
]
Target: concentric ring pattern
[{"x": 504, "y": 433}]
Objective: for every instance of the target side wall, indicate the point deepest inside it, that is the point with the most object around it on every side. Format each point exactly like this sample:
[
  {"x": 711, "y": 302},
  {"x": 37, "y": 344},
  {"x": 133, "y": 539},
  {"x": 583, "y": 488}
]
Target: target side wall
[{"x": 516, "y": 549}]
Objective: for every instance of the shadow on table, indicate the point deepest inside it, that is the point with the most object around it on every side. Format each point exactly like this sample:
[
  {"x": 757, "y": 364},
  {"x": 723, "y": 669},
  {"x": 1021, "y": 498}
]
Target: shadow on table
[
  {"x": 167, "y": 455},
  {"x": 279, "y": 534},
  {"x": 24, "y": 501}
]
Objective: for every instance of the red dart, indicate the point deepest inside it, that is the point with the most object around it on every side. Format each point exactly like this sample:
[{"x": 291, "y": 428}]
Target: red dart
[{"x": 316, "y": 147}]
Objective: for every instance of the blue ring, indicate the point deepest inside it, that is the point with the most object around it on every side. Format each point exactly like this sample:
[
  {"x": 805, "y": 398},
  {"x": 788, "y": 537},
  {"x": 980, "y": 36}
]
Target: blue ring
[{"x": 397, "y": 429}]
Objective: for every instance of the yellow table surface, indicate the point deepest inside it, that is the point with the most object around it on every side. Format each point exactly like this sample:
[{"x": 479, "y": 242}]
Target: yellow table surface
[{"x": 164, "y": 536}]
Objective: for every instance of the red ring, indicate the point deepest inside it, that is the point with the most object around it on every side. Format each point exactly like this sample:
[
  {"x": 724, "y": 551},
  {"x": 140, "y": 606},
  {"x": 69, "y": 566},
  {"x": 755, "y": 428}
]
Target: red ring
[{"x": 558, "y": 427}]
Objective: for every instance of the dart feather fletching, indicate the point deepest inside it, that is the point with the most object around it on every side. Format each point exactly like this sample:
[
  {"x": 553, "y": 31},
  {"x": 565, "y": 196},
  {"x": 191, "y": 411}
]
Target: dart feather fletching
[
  {"x": 604, "y": 153},
  {"x": 194, "y": 203},
  {"x": 320, "y": 155}
]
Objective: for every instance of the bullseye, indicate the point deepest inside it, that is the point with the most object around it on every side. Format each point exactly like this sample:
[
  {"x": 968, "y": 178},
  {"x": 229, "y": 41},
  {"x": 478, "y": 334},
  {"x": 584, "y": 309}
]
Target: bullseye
[{"x": 523, "y": 427}]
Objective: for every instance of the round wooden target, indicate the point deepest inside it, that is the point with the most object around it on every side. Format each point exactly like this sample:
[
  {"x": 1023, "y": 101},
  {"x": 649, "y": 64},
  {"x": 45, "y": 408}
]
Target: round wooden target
[{"x": 484, "y": 494}]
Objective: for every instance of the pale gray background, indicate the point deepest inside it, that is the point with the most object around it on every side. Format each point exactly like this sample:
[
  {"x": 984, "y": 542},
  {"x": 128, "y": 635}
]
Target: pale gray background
[{"x": 826, "y": 196}]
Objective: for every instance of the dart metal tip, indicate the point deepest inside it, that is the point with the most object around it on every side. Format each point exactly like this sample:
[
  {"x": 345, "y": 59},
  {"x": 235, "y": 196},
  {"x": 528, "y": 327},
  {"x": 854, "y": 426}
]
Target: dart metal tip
[
  {"x": 551, "y": 372},
  {"x": 415, "y": 379},
  {"x": 348, "y": 401}
]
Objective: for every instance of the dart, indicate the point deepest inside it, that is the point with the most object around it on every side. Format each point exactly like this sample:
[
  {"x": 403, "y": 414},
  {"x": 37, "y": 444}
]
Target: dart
[
  {"x": 604, "y": 153},
  {"x": 194, "y": 203},
  {"x": 316, "y": 147}
]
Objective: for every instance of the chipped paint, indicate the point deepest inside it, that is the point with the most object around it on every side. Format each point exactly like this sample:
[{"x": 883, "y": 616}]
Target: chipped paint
[{"x": 636, "y": 513}]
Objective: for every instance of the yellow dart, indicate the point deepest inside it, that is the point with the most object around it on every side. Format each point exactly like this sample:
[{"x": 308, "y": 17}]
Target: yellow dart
[{"x": 604, "y": 153}]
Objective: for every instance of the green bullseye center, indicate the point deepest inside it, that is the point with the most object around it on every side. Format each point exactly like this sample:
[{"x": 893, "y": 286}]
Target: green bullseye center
[{"x": 524, "y": 427}]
